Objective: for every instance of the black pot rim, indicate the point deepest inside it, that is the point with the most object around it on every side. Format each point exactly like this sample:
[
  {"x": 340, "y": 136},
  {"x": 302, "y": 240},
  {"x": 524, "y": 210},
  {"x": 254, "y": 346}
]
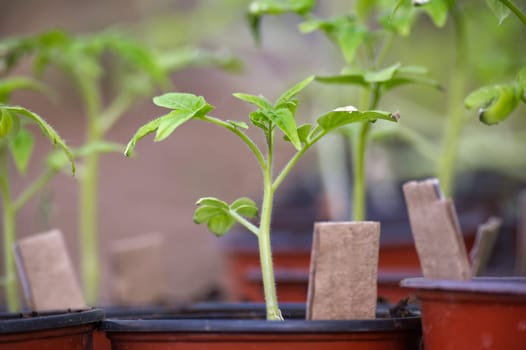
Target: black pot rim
[
  {"x": 260, "y": 326},
  {"x": 18, "y": 323},
  {"x": 498, "y": 285}
]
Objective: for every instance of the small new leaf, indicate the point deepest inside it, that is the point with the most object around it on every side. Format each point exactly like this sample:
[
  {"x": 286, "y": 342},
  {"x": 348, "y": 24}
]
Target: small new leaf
[
  {"x": 293, "y": 91},
  {"x": 21, "y": 147},
  {"x": 218, "y": 215},
  {"x": 286, "y": 122},
  {"x": 259, "y": 101},
  {"x": 46, "y": 129},
  {"x": 245, "y": 207},
  {"x": 495, "y": 102},
  {"x": 348, "y": 115}
]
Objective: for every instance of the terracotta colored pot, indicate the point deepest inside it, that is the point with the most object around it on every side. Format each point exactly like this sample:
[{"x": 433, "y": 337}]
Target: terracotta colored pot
[
  {"x": 226, "y": 332},
  {"x": 483, "y": 313},
  {"x": 49, "y": 331}
]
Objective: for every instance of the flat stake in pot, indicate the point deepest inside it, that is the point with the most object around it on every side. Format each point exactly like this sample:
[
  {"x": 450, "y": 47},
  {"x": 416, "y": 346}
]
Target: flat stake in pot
[
  {"x": 46, "y": 273},
  {"x": 484, "y": 243},
  {"x": 343, "y": 271},
  {"x": 436, "y": 231}
]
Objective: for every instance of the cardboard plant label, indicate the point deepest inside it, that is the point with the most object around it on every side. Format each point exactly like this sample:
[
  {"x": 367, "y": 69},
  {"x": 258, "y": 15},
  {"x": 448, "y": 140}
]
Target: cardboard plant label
[
  {"x": 138, "y": 270},
  {"x": 46, "y": 273},
  {"x": 436, "y": 231},
  {"x": 484, "y": 243},
  {"x": 343, "y": 271}
]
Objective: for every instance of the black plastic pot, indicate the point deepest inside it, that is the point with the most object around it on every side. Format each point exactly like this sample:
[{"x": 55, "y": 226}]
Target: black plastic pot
[
  {"x": 49, "y": 331},
  {"x": 242, "y": 326}
]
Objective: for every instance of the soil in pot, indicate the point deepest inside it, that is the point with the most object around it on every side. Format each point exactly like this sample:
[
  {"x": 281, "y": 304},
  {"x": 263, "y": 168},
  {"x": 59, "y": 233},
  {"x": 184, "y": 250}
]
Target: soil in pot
[
  {"x": 70, "y": 330},
  {"x": 483, "y": 313}
]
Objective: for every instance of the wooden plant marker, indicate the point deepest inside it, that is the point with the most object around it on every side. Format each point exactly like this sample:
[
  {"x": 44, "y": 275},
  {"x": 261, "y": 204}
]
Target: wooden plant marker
[
  {"x": 520, "y": 264},
  {"x": 138, "y": 270},
  {"x": 46, "y": 273},
  {"x": 487, "y": 234},
  {"x": 343, "y": 271},
  {"x": 436, "y": 231}
]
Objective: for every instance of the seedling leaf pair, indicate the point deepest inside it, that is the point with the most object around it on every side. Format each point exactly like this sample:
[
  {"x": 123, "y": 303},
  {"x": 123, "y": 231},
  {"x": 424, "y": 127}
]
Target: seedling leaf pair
[{"x": 221, "y": 217}]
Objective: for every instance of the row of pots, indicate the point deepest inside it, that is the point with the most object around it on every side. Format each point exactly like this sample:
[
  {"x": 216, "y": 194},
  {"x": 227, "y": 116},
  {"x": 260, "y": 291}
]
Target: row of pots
[{"x": 485, "y": 313}]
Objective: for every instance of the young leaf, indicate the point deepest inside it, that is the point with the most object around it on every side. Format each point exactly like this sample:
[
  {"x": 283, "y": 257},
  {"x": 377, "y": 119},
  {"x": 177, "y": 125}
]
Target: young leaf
[
  {"x": 215, "y": 213},
  {"x": 21, "y": 147},
  {"x": 259, "y": 101},
  {"x": 245, "y": 207},
  {"x": 6, "y": 123},
  {"x": 144, "y": 130},
  {"x": 293, "y": 91},
  {"x": 286, "y": 122},
  {"x": 46, "y": 129},
  {"x": 8, "y": 85},
  {"x": 437, "y": 10},
  {"x": 170, "y": 122},
  {"x": 347, "y": 115},
  {"x": 495, "y": 102},
  {"x": 381, "y": 75},
  {"x": 500, "y": 10},
  {"x": 237, "y": 124},
  {"x": 352, "y": 79}
]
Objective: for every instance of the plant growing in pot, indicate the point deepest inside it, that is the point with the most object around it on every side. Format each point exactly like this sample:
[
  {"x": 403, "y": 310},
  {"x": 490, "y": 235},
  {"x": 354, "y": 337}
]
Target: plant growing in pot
[
  {"x": 490, "y": 312},
  {"x": 220, "y": 217},
  {"x": 31, "y": 331},
  {"x": 135, "y": 71}
]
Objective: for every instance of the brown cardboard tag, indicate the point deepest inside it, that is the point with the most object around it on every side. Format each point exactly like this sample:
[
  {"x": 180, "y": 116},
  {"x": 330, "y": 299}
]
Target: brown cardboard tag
[
  {"x": 520, "y": 265},
  {"x": 487, "y": 234},
  {"x": 436, "y": 231},
  {"x": 138, "y": 270},
  {"x": 46, "y": 273},
  {"x": 343, "y": 271}
]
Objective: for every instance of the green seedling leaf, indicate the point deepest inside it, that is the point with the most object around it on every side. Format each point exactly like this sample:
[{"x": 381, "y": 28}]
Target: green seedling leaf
[
  {"x": 259, "y": 101},
  {"x": 259, "y": 8},
  {"x": 177, "y": 59},
  {"x": 237, "y": 124},
  {"x": 495, "y": 103},
  {"x": 46, "y": 129},
  {"x": 8, "y": 85},
  {"x": 293, "y": 91},
  {"x": 260, "y": 119},
  {"x": 436, "y": 9},
  {"x": 350, "y": 79},
  {"x": 286, "y": 122},
  {"x": 245, "y": 207},
  {"x": 500, "y": 10},
  {"x": 21, "y": 147},
  {"x": 303, "y": 133},
  {"x": 381, "y": 75},
  {"x": 215, "y": 213},
  {"x": 344, "y": 31},
  {"x": 400, "y": 20},
  {"x": 144, "y": 130},
  {"x": 6, "y": 123},
  {"x": 348, "y": 115},
  {"x": 170, "y": 122}
]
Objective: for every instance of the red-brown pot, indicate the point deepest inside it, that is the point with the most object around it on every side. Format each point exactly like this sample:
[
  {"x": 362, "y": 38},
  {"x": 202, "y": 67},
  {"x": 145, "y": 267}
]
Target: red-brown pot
[
  {"x": 50, "y": 331},
  {"x": 256, "y": 334},
  {"x": 483, "y": 313}
]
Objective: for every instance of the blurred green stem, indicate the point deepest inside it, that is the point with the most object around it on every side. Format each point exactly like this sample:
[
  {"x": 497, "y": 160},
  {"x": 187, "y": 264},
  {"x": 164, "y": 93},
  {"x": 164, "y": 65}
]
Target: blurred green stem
[
  {"x": 455, "y": 118},
  {"x": 88, "y": 220},
  {"x": 515, "y": 9},
  {"x": 9, "y": 222}
]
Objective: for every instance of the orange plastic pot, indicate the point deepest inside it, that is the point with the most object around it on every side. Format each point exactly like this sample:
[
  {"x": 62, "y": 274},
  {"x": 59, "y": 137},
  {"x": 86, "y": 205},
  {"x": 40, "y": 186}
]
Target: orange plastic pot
[
  {"x": 483, "y": 313},
  {"x": 224, "y": 331},
  {"x": 51, "y": 331}
]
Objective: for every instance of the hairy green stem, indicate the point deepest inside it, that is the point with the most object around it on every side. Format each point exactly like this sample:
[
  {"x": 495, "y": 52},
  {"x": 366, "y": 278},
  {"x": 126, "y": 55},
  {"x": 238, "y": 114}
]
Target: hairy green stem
[
  {"x": 9, "y": 223},
  {"x": 265, "y": 252},
  {"x": 359, "y": 147},
  {"x": 515, "y": 9},
  {"x": 455, "y": 118}
]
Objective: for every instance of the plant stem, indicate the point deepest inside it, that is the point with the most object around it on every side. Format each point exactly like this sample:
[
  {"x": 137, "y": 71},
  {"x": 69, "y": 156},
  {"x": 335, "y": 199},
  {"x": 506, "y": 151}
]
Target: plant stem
[
  {"x": 515, "y": 9},
  {"x": 9, "y": 223},
  {"x": 36, "y": 186},
  {"x": 88, "y": 199},
  {"x": 455, "y": 118},
  {"x": 265, "y": 252},
  {"x": 359, "y": 147}
]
